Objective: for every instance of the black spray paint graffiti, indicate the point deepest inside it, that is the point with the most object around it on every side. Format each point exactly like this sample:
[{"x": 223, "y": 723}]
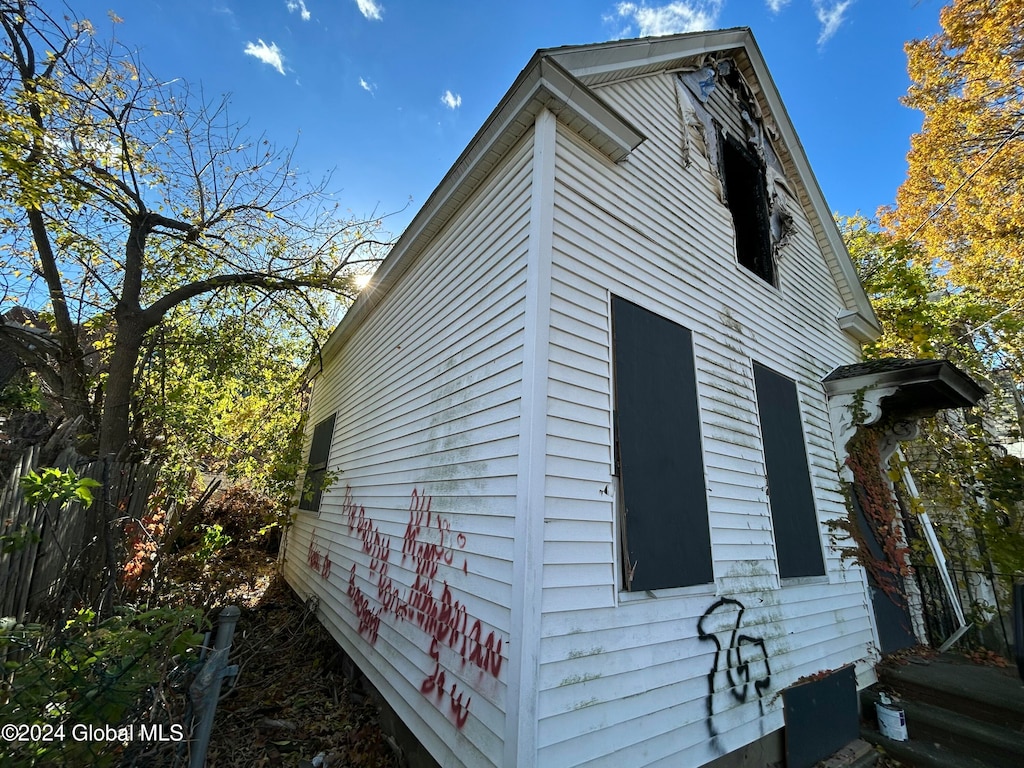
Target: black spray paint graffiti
[{"x": 740, "y": 671}]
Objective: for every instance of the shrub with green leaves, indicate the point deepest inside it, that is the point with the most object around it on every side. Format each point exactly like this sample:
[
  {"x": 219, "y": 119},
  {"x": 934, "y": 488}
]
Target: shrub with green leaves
[
  {"x": 89, "y": 673},
  {"x": 61, "y": 486}
]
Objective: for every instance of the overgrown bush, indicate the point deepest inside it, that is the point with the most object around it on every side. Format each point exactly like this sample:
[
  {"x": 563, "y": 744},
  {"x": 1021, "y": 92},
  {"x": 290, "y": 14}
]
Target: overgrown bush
[{"x": 61, "y": 684}]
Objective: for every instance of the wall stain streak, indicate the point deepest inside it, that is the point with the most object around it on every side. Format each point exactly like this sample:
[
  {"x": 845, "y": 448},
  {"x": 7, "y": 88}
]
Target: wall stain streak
[{"x": 740, "y": 671}]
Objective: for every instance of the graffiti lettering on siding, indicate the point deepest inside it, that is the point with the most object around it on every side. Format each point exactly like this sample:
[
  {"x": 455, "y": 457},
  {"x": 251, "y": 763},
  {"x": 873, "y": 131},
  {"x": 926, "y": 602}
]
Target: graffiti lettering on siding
[
  {"x": 740, "y": 671},
  {"x": 319, "y": 561},
  {"x": 429, "y": 550}
]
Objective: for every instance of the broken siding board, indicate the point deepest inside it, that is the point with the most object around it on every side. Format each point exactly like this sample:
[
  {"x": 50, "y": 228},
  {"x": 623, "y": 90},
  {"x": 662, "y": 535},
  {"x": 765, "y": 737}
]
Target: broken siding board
[{"x": 832, "y": 317}]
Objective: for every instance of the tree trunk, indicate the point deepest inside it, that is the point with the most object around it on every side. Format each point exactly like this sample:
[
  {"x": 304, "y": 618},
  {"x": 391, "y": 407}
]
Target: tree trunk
[
  {"x": 115, "y": 416},
  {"x": 74, "y": 396}
]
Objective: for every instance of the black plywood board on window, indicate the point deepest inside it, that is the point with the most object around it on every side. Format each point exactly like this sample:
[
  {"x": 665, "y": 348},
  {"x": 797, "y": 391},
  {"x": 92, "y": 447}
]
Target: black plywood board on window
[
  {"x": 319, "y": 454},
  {"x": 797, "y": 536},
  {"x": 659, "y": 450}
]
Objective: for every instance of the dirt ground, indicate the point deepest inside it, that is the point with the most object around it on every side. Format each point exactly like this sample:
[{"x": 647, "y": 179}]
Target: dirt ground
[{"x": 290, "y": 705}]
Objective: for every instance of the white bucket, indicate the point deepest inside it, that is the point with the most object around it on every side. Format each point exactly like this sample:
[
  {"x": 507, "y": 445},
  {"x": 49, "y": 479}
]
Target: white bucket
[{"x": 892, "y": 721}]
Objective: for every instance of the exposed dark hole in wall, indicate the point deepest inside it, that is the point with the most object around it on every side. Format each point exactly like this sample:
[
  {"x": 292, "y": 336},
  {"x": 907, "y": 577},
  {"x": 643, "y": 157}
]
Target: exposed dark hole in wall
[{"x": 747, "y": 197}]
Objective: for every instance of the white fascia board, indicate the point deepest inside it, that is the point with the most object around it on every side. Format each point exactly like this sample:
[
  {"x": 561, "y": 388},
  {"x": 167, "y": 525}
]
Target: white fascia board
[
  {"x": 543, "y": 84},
  {"x": 589, "y": 60}
]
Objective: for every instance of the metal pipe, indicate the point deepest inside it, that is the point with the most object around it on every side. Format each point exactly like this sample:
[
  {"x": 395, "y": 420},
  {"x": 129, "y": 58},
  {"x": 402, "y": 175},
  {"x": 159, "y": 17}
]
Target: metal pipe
[{"x": 205, "y": 690}]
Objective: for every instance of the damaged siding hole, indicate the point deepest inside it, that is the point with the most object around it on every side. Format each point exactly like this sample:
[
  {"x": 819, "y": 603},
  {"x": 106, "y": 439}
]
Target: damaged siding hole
[{"x": 746, "y": 173}]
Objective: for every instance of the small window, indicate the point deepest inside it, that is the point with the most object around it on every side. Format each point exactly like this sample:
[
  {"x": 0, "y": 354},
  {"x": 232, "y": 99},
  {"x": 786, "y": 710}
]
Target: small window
[
  {"x": 663, "y": 509},
  {"x": 747, "y": 197},
  {"x": 790, "y": 494},
  {"x": 319, "y": 452}
]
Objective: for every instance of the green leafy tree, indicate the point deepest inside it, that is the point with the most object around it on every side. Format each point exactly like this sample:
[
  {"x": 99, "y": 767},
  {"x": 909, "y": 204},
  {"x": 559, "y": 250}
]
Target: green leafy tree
[
  {"x": 971, "y": 485},
  {"x": 126, "y": 200},
  {"x": 223, "y": 397},
  {"x": 962, "y": 210}
]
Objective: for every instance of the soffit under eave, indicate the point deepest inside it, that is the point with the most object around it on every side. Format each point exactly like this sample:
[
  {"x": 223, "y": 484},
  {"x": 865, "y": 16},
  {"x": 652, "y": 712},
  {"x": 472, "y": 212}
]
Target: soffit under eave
[{"x": 543, "y": 84}]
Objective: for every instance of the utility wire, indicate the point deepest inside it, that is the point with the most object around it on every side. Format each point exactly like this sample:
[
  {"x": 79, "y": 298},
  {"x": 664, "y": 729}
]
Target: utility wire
[{"x": 963, "y": 183}]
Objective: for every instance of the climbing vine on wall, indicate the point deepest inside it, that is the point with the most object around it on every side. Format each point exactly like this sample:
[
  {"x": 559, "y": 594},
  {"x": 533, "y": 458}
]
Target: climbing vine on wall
[{"x": 874, "y": 495}]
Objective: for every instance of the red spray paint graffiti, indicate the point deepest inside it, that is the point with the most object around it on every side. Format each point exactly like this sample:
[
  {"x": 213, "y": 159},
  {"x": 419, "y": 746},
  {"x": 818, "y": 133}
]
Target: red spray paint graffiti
[
  {"x": 369, "y": 619},
  {"x": 319, "y": 561},
  {"x": 428, "y": 544}
]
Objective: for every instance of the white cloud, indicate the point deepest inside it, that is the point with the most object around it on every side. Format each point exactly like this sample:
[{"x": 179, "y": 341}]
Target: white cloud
[
  {"x": 687, "y": 16},
  {"x": 268, "y": 54},
  {"x": 776, "y": 5},
  {"x": 371, "y": 9},
  {"x": 831, "y": 17},
  {"x": 451, "y": 100},
  {"x": 366, "y": 85},
  {"x": 300, "y": 6}
]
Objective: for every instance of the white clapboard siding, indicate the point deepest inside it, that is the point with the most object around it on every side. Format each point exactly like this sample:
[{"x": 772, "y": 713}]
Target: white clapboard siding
[
  {"x": 427, "y": 394},
  {"x": 627, "y": 675}
]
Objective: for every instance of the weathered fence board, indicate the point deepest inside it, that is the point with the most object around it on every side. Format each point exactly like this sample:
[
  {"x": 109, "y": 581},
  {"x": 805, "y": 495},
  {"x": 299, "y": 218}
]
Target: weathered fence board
[{"x": 72, "y": 553}]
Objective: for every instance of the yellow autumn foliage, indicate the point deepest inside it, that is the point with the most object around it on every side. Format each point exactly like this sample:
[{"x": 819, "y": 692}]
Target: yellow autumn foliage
[{"x": 963, "y": 200}]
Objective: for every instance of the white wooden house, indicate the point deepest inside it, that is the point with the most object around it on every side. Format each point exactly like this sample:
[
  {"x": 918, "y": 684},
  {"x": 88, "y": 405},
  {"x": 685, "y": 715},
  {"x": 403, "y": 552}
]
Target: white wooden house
[{"x": 580, "y": 451}]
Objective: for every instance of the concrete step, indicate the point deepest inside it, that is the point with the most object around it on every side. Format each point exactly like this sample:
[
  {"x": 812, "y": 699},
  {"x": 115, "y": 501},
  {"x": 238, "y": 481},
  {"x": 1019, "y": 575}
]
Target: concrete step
[
  {"x": 921, "y": 754},
  {"x": 990, "y": 694},
  {"x": 997, "y": 745}
]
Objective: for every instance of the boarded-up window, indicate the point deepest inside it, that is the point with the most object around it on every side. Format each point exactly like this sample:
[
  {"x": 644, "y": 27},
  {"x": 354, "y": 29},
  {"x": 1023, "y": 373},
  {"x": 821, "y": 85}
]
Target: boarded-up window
[
  {"x": 797, "y": 536},
  {"x": 747, "y": 196},
  {"x": 665, "y": 532},
  {"x": 319, "y": 452}
]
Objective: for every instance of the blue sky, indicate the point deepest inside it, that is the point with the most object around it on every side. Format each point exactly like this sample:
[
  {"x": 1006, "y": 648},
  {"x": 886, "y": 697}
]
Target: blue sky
[{"x": 387, "y": 93}]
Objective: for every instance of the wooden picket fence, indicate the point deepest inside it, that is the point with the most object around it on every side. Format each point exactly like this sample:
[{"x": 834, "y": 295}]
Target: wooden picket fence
[{"x": 67, "y": 557}]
